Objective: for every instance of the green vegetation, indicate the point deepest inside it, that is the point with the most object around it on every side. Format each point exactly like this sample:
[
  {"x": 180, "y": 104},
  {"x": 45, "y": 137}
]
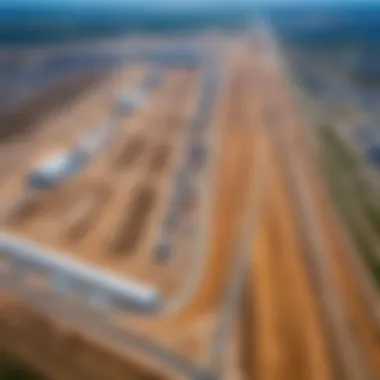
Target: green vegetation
[
  {"x": 353, "y": 195},
  {"x": 34, "y": 24},
  {"x": 11, "y": 370},
  {"x": 335, "y": 146}
]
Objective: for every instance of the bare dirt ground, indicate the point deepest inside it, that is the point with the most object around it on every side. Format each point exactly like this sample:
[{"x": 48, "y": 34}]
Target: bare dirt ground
[{"x": 301, "y": 315}]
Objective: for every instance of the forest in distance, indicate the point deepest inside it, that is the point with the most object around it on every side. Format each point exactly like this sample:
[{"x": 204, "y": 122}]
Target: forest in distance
[{"x": 316, "y": 25}]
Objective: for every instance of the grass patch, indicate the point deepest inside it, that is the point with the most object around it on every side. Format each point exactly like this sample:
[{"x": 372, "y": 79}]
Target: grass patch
[
  {"x": 12, "y": 370},
  {"x": 332, "y": 141},
  {"x": 353, "y": 196}
]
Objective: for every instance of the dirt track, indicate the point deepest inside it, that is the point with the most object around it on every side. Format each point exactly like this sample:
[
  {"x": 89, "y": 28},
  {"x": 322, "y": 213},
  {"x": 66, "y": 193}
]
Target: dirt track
[
  {"x": 362, "y": 326},
  {"x": 288, "y": 326}
]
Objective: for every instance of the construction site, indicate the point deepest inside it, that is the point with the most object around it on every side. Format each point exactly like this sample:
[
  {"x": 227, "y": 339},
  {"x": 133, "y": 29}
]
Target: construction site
[{"x": 171, "y": 222}]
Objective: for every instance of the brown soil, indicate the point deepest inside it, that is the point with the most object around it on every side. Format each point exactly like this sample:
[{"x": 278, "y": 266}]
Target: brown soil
[{"x": 26, "y": 118}]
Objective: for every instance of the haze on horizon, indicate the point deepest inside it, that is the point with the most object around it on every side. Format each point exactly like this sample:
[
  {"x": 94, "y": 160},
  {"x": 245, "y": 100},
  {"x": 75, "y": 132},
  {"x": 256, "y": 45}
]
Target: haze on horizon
[{"x": 179, "y": 3}]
